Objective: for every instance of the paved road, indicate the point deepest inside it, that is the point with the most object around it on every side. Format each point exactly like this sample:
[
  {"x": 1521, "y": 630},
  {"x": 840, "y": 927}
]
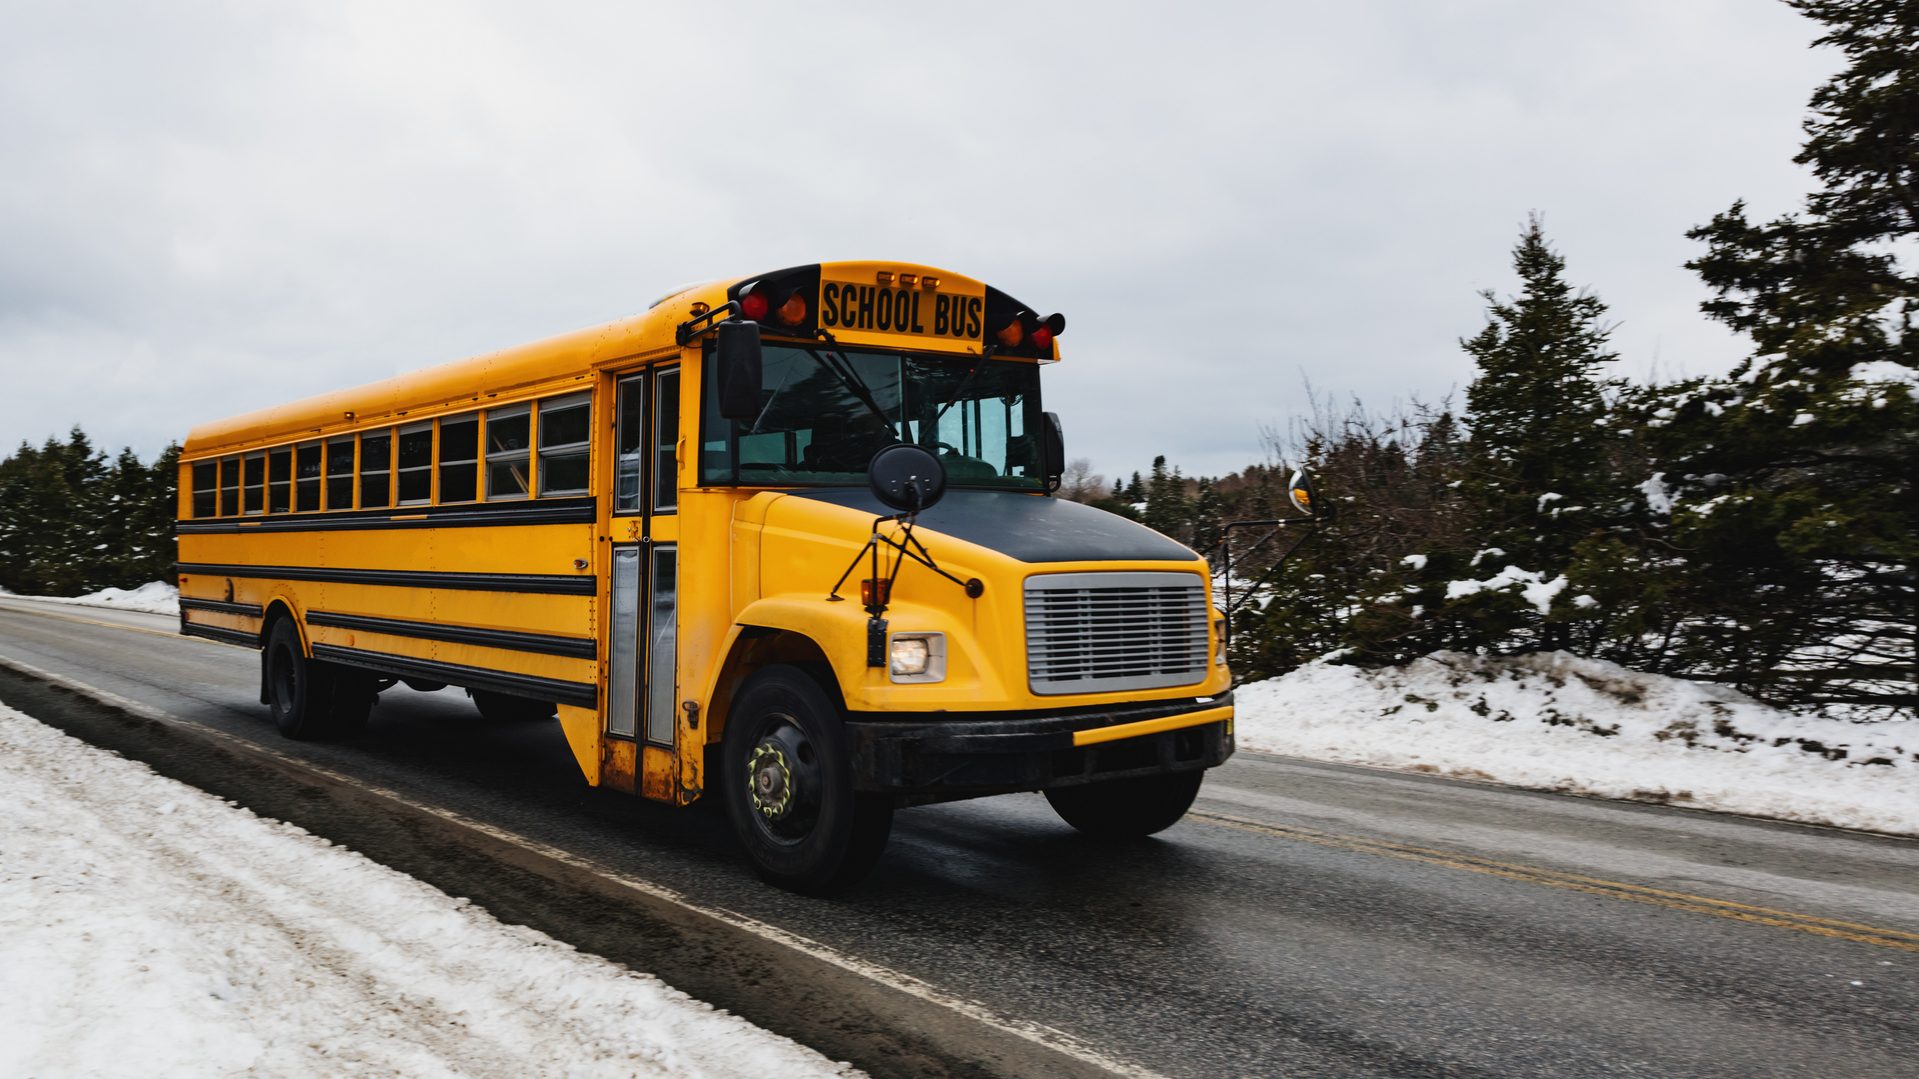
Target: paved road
[{"x": 1307, "y": 919}]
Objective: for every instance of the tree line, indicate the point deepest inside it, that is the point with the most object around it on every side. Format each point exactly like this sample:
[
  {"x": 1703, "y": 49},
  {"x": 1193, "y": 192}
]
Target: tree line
[
  {"x": 1756, "y": 529},
  {"x": 73, "y": 520}
]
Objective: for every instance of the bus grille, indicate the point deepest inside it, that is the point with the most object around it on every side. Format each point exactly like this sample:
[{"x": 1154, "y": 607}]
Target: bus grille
[{"x": 1103, "y": 632}]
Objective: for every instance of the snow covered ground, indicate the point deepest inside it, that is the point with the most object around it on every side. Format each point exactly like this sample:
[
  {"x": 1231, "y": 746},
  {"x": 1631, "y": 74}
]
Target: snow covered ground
[
  {"x": 1554, "y": 721},
  {"x": 154, "y": 597},
  {"x": 149, "y": 928}
]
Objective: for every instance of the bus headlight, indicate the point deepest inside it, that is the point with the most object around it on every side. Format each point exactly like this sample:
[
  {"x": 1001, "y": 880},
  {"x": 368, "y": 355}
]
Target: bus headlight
[{"x": 917, "y": 657}]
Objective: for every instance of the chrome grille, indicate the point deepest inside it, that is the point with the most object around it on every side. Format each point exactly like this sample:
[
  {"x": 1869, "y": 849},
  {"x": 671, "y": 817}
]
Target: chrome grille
[{"x": 1101, "y": 632}]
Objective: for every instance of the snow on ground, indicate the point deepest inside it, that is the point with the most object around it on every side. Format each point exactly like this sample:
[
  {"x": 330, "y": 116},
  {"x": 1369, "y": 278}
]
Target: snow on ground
[
  {"x": 154, "y": 597},
  {"x": 1558, "y": 722},
  {"x": 148, "y": 927}
]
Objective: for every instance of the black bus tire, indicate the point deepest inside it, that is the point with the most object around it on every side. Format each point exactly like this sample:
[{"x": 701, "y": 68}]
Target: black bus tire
[
  {"x": 300, "y": 691},
  {"x": 789, "y": 787},
  {"x": 1126, "y": 808},
  {"x": 354, "y": 693}
]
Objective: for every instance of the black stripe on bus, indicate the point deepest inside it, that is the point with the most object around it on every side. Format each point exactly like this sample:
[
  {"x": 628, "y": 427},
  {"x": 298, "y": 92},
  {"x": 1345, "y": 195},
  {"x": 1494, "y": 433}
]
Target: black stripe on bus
[
  {"x": 542, "y": 511},
  {"x": 551, "y": 584},
  {"x": 582, "y": 694},
  {"x": 545, "y": 644},
  {"x": 220, "y": 633},
  {"x": 251, "y": 610}
]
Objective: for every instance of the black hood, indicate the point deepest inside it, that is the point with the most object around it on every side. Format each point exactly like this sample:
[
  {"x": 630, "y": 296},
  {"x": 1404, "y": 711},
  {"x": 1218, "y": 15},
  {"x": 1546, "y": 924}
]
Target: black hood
[{"x": 1030, "y": 528}]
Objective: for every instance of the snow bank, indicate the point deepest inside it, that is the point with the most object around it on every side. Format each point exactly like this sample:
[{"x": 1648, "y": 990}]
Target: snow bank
[
  {"x": 148, "y": 927},
  {"x": 1557, "y": 722},
  {"x": 154, "y": 597}
]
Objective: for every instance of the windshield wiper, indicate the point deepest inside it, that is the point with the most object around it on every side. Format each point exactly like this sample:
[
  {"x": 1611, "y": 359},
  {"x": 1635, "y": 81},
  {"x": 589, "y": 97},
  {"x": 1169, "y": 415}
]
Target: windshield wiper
[
  {"x": 960, "y": 390},
  {"x": 768, "y": 406},
  {"x": 850, "y": 378}
]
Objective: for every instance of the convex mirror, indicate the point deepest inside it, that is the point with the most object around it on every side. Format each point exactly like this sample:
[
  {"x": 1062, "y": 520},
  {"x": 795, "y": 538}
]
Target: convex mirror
[{"x": 907, "y": 477}]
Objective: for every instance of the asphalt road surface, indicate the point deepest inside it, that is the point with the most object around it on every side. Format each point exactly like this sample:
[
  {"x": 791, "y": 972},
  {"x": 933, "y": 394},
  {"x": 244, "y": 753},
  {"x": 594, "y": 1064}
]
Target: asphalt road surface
[{"x": 1305, "y": 919}]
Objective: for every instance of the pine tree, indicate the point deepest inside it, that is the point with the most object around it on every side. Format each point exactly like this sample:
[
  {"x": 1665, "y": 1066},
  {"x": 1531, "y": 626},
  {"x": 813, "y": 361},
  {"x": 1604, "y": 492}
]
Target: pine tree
[
  {"x": 71, "y": 523},
  {"x": 1167, "y": 508},
  {"x": 1792, "y": 480},
  {"x": 156, "y": 550},
  {"x": 1535, "y": 465},
  {"x": 133, "y": 533},
  {"x": 18, "y": 524}
]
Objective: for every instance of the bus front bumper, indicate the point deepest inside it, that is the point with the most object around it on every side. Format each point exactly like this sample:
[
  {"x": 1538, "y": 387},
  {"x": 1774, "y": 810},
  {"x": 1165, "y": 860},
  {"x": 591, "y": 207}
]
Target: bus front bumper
[{"x": 975, "y": 753}]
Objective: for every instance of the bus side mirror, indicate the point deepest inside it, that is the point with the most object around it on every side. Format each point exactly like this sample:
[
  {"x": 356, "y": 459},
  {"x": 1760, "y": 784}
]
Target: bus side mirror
[
  {"x": 738, "y": 355},
  {"x": 1052, "y": 448},
  {"x": 1299, "y": 490}
]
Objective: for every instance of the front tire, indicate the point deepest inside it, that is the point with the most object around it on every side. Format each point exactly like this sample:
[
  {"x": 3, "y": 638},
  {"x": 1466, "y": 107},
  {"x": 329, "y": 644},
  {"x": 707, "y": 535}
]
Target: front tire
[
  {"x": 789, "y": 787},
  {"x": 1127, "y": 808}
]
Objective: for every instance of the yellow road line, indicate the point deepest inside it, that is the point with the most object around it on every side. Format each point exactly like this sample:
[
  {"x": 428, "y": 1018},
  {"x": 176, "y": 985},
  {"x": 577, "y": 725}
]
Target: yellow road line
[{"x": 1900, "y": 939}]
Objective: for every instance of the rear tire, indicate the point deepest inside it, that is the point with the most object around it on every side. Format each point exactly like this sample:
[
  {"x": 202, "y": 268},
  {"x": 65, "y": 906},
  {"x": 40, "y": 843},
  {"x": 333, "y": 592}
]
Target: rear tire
[
  {"x": 789, "y": 787},
  {"x": 505, "y": 708},
  {"x": 1127, "y": 808},
  {"x": 302, "y": 693},
  {"x": 354, "y": 693}
]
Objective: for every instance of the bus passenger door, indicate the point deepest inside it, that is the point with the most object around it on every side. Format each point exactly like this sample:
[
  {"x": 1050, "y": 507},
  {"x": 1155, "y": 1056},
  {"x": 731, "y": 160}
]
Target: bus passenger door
[{"x": 644, "y": 638}]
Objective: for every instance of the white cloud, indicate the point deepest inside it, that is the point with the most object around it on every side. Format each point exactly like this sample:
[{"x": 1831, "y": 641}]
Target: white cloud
[{"x": 219, "y": 207}]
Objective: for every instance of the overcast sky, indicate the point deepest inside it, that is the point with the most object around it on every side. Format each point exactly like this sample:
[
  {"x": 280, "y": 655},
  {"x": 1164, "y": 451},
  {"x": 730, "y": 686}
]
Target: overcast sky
[{"x": 210, "y": 207}]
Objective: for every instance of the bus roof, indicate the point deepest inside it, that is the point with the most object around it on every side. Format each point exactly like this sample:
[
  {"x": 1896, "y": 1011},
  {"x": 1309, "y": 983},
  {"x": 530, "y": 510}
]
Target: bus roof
[{"x": 837, "y": 300}]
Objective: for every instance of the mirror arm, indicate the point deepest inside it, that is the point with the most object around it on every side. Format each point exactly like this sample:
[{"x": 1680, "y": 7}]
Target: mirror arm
[
  {"x": 1232, "y": 606},
  {"x": 699, "y": 324}
]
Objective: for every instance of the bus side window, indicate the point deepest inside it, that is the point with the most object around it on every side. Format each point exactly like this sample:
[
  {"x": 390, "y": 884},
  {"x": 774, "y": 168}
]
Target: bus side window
[
  {"x": 339, "y": 474},
  {"x": 206, "y": 488},
  {"x": 666, "y": 437},
  {"x": 279, "y": 480},
  {"x": 416, "y": 464},
  {"x": 256, "y": 483},
  {"x": 626, "y": 454},
  {"x": 229, "y": 487},
  {"x": 508, "y": 449},
  {"x": 565, "y": 429},
  {"x": 459, "y": 459},
  {"x": 306, "y": 476},
  {"x": 376, "y": 469}
]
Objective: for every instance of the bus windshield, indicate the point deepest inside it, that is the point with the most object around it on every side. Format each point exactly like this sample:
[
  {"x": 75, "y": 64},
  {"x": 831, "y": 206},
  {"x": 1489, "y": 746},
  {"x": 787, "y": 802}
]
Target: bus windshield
[{"x": 825, "y": 411}]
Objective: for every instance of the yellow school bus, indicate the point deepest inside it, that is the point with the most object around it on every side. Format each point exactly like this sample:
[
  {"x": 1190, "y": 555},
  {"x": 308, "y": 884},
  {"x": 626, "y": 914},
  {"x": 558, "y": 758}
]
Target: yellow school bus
[{"x": 675, "y": 532}]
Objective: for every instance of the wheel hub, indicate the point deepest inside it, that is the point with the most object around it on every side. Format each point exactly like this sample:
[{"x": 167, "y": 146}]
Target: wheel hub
[{"x": 769, "y": 780}]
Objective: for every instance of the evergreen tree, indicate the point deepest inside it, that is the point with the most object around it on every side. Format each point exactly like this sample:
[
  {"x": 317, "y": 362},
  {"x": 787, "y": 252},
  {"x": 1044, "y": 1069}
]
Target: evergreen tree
[
  {"x": 1535, "y": 466},
  {"x": 1791, "y": 482},
  {"x": 18, "y": 524},
  {"x": 155, "y": 548},
  {"x": 1167, "y": 508},
  {"x": 134, "y": 531},
  {"x": 71, "y": 523}
]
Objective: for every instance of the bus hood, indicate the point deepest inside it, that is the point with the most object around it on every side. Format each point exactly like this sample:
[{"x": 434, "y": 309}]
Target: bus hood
[{"x": 1027, "y": 527}]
